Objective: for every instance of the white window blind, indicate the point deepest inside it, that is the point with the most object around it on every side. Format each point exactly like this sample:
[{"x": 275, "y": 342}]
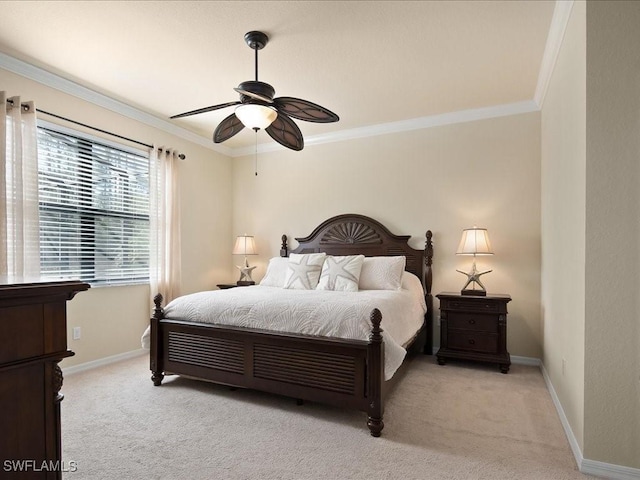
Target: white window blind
[{"x": 94, "y": 210}]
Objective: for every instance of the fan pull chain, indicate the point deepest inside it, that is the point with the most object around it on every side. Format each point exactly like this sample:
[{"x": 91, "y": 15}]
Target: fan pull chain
[{"x": 256, "y": 157}]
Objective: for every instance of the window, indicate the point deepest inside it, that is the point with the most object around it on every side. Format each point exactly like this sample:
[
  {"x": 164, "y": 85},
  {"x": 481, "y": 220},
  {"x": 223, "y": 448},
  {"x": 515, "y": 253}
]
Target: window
[{"x": 94, "y": 209}]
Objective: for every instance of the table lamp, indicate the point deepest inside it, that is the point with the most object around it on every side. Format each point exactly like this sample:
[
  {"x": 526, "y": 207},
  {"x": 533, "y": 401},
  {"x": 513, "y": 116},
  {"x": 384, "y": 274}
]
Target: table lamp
[
  {"x": 474, "y": 241},
  {"x": 245, "y": 245}
]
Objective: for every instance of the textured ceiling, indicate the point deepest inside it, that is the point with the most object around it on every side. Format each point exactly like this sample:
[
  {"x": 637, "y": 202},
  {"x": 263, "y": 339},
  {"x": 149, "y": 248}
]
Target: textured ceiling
[{"x": 371, "y": 62}]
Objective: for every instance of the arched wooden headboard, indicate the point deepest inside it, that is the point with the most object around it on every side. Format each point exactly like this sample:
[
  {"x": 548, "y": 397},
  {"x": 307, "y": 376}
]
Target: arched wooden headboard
[{"x": 353, "y": 234}]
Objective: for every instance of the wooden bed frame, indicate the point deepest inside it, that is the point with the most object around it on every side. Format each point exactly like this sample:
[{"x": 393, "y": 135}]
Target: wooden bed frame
[{"x": 336, "y": 371}]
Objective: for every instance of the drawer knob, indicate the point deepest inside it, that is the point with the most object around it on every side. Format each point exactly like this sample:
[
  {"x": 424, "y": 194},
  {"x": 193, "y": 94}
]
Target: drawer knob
[
  {"x": 472, "y": 322},
  {"x": 472, "y": 342}
]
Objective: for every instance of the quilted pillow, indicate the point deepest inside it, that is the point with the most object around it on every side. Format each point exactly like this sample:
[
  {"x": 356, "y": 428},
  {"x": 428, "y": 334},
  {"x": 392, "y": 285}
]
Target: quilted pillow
[
  {"x": 304, "y": 270},
  {"x": 382, "y": 273},
  {"x": 341, "y": 273},
  {"x": 276, "y": 272}
]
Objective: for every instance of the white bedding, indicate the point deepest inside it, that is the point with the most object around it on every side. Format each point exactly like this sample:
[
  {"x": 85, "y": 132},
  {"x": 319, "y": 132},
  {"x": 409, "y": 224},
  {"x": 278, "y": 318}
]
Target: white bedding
[{"x": 312, "y": 312}]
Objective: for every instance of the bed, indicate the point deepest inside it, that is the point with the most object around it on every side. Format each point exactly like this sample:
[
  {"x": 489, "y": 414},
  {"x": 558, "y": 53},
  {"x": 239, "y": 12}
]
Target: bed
[{"x": 344, "y": 372}]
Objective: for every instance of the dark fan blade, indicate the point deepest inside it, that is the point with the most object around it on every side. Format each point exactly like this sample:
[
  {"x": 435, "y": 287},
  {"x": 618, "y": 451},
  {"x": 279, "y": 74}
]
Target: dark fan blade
[
  {"x": 206, "y": 109},
  {"x": 284, "y": 131},
  {"x": 227, "y": 128},
  {"x": 304, "y": 110}
]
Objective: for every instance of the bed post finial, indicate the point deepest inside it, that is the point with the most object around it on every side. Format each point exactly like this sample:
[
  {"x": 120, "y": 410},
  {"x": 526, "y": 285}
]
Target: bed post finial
[
  {"x": 158, "y": 312},
  {"x": 284, "y": 249},
  {"x": 376, "y": 331}
]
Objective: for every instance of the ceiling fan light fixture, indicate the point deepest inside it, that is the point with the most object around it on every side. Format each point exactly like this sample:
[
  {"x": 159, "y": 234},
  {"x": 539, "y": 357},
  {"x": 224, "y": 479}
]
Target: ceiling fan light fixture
[
  {"x": 257, "y": 109},
  {"x": 253, "y": 115}
]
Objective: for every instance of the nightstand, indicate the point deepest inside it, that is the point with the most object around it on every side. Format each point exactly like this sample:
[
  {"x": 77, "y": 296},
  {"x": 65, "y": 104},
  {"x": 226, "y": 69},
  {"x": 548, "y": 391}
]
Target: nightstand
[
  {"x": 474, "y": 328},
  {"x": 224, "y": 286}
]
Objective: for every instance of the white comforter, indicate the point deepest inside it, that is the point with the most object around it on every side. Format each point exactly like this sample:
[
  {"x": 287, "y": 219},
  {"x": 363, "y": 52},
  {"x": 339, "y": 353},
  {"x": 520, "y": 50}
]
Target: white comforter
[{"x": 312, "y": 312}]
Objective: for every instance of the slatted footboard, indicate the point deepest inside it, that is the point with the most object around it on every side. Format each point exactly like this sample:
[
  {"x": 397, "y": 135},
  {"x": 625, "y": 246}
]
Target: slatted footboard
[{"x": 347, "y": 373}]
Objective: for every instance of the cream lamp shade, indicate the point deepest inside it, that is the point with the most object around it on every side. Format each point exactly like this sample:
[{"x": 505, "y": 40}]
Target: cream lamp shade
[
  {"x": 474, "y": 241},
  {"x": 256, "y": 116},
  {"x": 245, "y": 245}
]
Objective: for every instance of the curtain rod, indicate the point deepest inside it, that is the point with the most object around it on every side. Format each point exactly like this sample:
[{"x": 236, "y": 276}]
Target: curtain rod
[{"x": 25, "y": 106}]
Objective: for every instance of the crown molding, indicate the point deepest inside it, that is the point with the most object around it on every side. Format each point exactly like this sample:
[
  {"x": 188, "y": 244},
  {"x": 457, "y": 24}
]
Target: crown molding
[
  {"x": 52, "y": 80},
  {"x": 462, "y": 116},
  {"x": 67, "y": 86},
  {"x": 559, "y": 21}
]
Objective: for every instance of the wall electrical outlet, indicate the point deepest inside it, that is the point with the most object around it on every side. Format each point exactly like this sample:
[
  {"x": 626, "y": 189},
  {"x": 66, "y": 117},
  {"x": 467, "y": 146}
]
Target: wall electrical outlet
[{"x": 76, "y": 333}]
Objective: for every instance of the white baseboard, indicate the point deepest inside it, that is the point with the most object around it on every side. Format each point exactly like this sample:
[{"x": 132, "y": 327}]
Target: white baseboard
[
  {"x": 573, "y": 443},
  {"x": 589, "y": 467},
  {"x": 533, "y": 362},
  {"x": 103, "y": 361},
  {"x": 609, "y": 470}
]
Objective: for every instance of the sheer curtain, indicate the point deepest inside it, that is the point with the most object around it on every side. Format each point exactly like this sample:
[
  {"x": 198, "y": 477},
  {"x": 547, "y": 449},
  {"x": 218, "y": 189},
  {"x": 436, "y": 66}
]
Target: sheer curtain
[
  {"x": 19, "y": 221},
  {"x": 164, "y": 265}
]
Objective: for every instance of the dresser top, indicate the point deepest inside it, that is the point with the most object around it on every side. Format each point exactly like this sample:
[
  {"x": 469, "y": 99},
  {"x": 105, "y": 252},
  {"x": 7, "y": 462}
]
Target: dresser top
[{"x": 12, "y": 287}]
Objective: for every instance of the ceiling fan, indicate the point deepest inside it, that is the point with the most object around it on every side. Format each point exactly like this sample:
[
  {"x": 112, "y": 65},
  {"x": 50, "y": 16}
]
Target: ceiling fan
[{"x": 258, "y": 109}]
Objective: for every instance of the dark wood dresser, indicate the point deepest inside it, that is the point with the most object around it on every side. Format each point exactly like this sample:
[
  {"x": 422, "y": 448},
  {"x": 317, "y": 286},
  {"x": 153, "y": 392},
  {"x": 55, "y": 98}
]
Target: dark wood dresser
[
  {"x": 474, "y": 328},
  {"x": 33, "y": 339}
]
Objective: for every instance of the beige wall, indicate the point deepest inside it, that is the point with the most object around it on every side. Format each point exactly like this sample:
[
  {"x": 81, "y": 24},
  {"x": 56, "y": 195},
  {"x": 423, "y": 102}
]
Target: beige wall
[
  {"x": 591, "y": 230},
  {"x": 563, "y": 222},
  {"x": 484, "y": 173},
  {"x": 612, "y": 343},
  {"x": 112, "y": 319}
]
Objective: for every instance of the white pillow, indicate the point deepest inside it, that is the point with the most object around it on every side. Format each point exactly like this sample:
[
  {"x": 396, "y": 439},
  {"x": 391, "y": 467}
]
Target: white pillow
[
  {"x": 382, "y": 273},
  {"x": 341, "y": 273},
  {"x": 304, "y": 270},
  {"x": 276, "y": 272}
]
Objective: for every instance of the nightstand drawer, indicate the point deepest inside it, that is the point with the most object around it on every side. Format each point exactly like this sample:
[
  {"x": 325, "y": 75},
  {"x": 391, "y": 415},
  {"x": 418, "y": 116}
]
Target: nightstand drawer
[
  {"x": 477, "y": 342},
  {"x": 472, "y": 305},
  {"x": 472, "y": 321}
]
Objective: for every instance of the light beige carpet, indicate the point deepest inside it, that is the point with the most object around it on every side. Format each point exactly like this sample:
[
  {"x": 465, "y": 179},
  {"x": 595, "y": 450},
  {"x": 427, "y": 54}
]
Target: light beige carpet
[{"x": 458, "y": 421}]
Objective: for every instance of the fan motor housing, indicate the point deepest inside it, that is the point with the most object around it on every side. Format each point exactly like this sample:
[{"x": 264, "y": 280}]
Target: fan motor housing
[{"x": 259, "y": 88}]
